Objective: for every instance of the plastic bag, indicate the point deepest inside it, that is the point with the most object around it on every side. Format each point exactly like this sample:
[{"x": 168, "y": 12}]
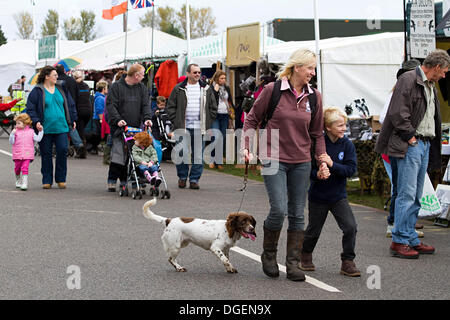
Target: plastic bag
[{"x": 430, "y": 205}]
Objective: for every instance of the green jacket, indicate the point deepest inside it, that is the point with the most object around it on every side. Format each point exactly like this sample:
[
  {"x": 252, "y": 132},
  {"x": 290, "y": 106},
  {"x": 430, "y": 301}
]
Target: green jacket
[{"x": 144, "y": 155}]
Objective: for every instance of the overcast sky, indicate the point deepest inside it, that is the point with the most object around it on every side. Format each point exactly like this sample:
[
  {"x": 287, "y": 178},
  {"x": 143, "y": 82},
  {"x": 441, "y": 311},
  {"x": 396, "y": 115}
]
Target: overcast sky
[{"x": 227, "y": 12}]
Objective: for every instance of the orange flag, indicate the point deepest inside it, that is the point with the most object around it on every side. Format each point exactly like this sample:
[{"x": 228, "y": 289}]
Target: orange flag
[{"x": 117, "y": 7}]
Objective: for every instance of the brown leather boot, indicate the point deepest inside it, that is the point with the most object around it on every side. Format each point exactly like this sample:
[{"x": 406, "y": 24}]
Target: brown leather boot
[
  {"x": 294, "y": 248},
  {"x": 348, "y": 268},
  {"x": 306, "y": 263},
  {"x": 403, "y": 251},
  {"x": 269, "y": 255}
]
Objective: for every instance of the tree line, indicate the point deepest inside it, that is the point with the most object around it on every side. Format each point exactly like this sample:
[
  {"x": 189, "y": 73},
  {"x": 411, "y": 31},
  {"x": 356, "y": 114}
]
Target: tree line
[{"x": 167, "y": 19}]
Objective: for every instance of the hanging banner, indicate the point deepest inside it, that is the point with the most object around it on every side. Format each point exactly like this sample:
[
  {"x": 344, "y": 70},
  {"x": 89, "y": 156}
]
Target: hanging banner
[
  {"x": 422, "y": 35},
  {"x": 47, "y": 47}
]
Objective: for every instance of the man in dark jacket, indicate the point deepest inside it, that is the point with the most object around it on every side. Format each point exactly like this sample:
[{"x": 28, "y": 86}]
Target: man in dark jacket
[
  {"x": 127, "y": 105},
  {"x": 192, "y": 107},
  {"x": 411, "y": 137}
]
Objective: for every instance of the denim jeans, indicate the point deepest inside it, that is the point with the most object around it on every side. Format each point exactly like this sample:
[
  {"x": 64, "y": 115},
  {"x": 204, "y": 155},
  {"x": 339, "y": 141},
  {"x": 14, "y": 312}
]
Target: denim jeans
[
  {"x": 221, "y": 123},
  {"x": 61, "y": 143},
  {"x": 410, "y": 172},
  {"x": 345, "y": 219},
  {"x": 388, "y": 167},
  {"x": 287, "y": 188},
  {"x": 150, "y": 169},
  {"x": 196, "y": 155}
]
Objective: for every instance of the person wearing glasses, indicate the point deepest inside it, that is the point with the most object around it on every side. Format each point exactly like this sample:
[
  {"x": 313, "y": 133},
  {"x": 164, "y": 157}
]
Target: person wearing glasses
[
  {"x": 51, "y": 107},
  {"x": 192, "y": 106},
  {"x": 127, "y": 105}
]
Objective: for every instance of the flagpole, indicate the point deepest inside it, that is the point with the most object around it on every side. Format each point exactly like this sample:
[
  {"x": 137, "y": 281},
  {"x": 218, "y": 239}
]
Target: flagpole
[
  {"x": 153, "y": 26},
  {"x": 125, "y": 25},
  {"x": 188, "y": 32}
]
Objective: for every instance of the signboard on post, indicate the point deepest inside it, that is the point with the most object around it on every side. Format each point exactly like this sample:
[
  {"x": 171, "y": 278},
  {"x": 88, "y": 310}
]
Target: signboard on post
[
  {"x": 242, "y": 45},
  {"x": 422, "y": 35},
  {"x": 47, "y": 47}
]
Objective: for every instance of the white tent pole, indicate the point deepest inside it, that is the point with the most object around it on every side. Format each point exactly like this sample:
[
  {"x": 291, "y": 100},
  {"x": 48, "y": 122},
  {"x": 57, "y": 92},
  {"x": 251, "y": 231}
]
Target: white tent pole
[
  {"x": 59, "y": 30},
  {"x": 125, "y": 25},
  {"x": 34, "y": 33},
  {"x": 317, "y": 37},
  {"x": 188, "y": 32}
]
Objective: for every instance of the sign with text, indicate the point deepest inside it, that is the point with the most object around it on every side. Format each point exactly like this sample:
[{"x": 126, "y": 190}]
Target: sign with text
[
  {"x": 243, "y": 44},
  {"x": 47, "y": 47},
  {"x": 422, "y": 35}
]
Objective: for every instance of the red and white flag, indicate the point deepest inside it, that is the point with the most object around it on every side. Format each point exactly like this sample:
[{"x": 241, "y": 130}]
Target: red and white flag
[{"x": 117, "y": 7}]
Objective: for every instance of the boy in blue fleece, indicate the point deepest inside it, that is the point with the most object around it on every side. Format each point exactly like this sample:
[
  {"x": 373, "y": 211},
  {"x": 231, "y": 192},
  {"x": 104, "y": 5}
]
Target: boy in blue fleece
[{"x": 329, "y": 194}]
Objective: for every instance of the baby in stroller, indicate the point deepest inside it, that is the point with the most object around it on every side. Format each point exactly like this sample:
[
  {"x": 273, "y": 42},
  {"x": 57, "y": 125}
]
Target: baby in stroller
[{"x": 146, "y": 158}]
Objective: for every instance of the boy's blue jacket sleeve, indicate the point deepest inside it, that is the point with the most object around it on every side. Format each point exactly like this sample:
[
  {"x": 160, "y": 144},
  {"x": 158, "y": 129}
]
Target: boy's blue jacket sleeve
[{"x": 348, "y": 166}]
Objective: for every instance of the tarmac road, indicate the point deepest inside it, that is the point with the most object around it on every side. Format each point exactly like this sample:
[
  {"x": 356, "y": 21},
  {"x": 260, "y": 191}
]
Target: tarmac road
[{"x": 49, "y": 237}]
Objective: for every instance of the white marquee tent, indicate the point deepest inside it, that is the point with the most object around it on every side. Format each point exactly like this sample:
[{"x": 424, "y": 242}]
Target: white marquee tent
[
  {"x": 352, "y": 67},
  {"x": 18, "y": 58},
  {"x": 109, "y": 51}
]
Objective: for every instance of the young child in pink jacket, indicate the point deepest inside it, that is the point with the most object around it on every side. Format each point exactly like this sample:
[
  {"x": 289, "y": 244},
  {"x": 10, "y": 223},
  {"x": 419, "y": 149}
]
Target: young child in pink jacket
[{"x": 22, "y": 139}]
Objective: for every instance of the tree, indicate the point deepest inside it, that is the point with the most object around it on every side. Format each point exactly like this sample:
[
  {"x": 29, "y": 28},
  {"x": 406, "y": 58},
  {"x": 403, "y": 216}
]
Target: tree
[
  {"x": 51, "y": 24},
  {"x": 80, "y": 28},
  {"x": 202, "y": 21},
  {"x": 168, "y": 22},
  {"x": 87, "y": 25},
  {"x": 72, "y": 29},
  {"x": 146, "y": 20},
  {"x": 3, "y": 39},
  {"x": 24, "y": 23}
]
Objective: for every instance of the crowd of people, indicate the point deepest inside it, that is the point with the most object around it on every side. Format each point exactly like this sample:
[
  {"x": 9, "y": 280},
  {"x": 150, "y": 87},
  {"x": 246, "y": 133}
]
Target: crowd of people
[{"x": 314, "y": 157}]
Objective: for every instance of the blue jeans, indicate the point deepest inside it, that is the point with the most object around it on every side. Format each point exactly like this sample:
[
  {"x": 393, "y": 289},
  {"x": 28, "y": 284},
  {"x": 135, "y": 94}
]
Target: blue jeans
[
  {"x": 221, "y": 123},
  {"x": 61, "y": 143},
  {"x": 149, "y": 169},
  {"x": 196, "y": 156},
  {"x": 287, "y": 189},
  {"x": 388, "y": 167},
  {"x": 410, "y": 173}
]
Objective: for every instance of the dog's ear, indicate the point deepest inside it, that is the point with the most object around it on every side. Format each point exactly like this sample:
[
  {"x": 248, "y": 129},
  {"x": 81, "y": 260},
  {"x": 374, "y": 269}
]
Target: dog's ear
[
  {"x": 253, "y": 221},
  {"x": 232, "y": 223}
]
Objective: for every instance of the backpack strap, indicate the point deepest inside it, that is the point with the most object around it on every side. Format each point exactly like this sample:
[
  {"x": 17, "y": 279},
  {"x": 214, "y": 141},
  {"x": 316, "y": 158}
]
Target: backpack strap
[{"x": 274, "y": 99}]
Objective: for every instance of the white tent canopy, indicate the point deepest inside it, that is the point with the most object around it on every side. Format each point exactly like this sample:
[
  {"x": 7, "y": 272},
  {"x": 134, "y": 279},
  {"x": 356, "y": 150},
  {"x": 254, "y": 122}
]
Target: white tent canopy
[
  {"x": 18, "y": 58},
  {"x": 109, "y": 51},
  {"x": 352, "y": 67}
]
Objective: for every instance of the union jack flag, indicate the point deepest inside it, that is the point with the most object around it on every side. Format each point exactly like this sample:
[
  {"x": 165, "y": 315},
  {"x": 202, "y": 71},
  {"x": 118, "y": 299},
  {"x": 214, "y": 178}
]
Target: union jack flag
[{"x": 137, "y": 4}]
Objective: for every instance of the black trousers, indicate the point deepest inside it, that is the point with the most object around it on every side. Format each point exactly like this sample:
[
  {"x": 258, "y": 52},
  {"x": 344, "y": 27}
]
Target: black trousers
[
  {"x": 83, "y": 118},
  {"x": 345, "y": 219}
]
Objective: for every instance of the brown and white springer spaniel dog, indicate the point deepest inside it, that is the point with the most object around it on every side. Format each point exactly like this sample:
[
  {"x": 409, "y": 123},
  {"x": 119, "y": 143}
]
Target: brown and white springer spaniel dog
[{"x": 218, "y": 236}]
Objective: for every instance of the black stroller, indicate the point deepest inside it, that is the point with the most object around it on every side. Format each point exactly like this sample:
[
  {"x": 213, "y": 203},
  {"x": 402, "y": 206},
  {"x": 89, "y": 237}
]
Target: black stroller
[
  {"x": 160, "y": 128},
  {"x": 134, "y": 176}
]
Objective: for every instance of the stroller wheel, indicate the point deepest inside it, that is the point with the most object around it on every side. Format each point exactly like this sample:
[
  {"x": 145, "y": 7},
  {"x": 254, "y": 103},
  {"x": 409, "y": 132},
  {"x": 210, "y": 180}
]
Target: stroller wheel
[
  {"x": 167, "y": 194},
  {"x": 136, "y": 195},
  {"x": 156, "y": 192},
  {"x": 143, "y": 191},
  {"x": 163, "y": 194}
]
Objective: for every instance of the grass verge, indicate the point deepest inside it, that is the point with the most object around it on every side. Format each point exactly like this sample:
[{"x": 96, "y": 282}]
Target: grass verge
[{"x": 353, "y": 187}]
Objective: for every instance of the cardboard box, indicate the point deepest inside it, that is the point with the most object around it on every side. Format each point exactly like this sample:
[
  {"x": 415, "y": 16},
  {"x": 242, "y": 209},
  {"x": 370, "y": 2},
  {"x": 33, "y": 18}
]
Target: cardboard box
[{"x": 374, "y": 123}]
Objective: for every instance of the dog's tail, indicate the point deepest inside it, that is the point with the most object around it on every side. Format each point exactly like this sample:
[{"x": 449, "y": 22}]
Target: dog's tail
[{"x": 150, "y": 215}]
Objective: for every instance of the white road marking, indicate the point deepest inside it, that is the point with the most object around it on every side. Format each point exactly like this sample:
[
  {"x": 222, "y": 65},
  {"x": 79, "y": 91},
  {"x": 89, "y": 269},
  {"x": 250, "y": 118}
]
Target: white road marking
[
  {"x": 310, "y": 280},
  {"x": 5, "y": 152}
]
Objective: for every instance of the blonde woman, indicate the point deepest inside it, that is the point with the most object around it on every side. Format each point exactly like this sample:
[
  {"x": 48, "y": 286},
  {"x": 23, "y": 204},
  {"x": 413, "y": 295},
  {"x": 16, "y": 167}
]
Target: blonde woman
[{"x": 298, "y": 127}]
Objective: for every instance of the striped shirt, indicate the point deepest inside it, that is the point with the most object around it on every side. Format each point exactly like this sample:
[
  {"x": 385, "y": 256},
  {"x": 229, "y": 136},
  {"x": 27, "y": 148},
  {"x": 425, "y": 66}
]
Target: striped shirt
[{"x": 193, "y": 106}]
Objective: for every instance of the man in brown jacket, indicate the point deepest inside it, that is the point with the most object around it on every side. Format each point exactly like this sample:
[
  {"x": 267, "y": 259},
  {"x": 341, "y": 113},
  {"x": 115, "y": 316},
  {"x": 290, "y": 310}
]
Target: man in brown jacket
[{"x": 411, "y": 137}]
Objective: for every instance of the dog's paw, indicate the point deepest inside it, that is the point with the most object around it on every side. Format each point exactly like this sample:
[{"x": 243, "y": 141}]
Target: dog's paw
[
  {"x": 232, "y": 270},
  {"x": 182, "y": 269}
]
